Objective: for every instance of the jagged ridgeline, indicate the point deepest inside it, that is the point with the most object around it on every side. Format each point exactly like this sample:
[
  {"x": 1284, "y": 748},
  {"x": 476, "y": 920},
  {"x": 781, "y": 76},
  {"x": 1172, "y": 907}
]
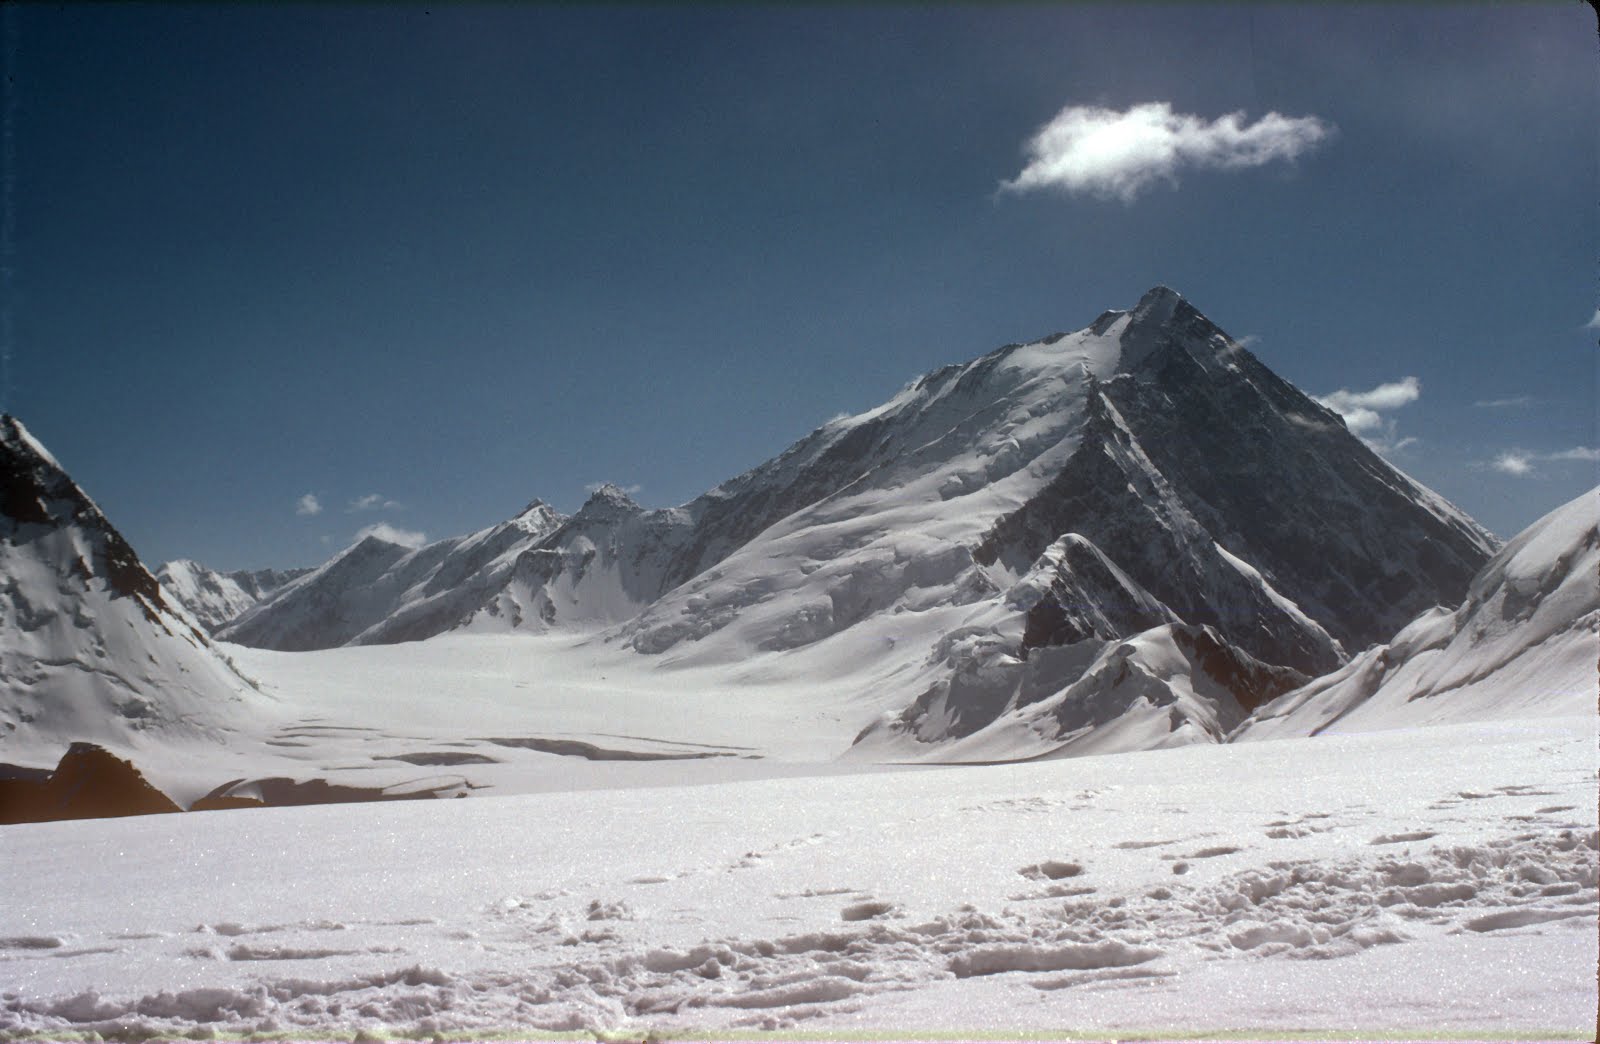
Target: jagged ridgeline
[{"x": 1144, "y": 472}]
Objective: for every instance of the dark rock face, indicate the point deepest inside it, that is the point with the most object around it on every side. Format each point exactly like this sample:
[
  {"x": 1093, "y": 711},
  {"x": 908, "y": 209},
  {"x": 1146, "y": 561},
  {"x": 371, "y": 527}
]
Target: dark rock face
[
  {"x": 1199, "y": 445},
  {"x": 1088, "y": 597},
  {"x": 1250, "y": 682},
  {"x": 89, "y": 783},
  {"x": 34, "y": 491}
]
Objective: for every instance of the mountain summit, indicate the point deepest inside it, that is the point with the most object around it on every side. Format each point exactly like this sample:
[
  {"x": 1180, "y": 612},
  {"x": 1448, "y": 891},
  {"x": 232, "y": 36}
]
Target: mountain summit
[
  {"x": 980, "y": 538},
  {"x": 90, "y": 646}
]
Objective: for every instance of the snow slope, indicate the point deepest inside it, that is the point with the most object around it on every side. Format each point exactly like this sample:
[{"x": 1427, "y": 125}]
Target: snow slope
[
  {"x": 377, "y": 591},
  {"x": 1145, "y": 471},
  {"x": 1525, "y": 642},
  {"x": 1377, "y": 886},
  {"x": 214, "y": 598},
  {"x": 90, "y": 646},
  {"x": 1224, "y": 492}
]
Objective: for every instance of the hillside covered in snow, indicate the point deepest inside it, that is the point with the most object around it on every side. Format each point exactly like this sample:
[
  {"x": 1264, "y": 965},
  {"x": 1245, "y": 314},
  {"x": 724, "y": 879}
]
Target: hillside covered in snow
[
  {"x": 688, "y": 738},
  {"x": 992, "y": 535},
  {"x": 90, "y": 646}
]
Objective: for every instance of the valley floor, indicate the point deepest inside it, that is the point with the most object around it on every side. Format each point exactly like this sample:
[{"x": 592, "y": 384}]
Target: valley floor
[{"x": 1409, "y": 883}]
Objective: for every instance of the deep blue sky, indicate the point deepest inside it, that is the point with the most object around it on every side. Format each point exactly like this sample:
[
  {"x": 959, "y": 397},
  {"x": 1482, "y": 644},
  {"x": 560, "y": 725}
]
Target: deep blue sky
[{"x": 468, "y": 256}]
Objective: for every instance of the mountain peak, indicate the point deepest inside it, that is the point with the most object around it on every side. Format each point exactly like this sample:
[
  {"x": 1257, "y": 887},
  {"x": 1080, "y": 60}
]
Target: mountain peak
[
  {"x": 1162, "y": 317},
  {"x": 1159, "y": 299},
  {"x": 609, "y": 499},
  {"x": 16, "y": 438},
  {"x": 536, "y": 509}
]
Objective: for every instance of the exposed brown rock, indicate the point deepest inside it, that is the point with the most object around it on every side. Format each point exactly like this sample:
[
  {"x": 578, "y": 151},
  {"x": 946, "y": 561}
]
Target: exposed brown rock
[{"x": 89, "y": 783}]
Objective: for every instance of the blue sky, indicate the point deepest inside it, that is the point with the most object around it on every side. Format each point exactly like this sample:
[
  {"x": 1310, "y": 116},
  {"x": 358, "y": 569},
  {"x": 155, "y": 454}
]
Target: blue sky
[{"x": 425, "y": 265}]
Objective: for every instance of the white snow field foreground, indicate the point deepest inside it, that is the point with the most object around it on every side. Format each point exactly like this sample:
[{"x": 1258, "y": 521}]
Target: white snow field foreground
[{"x": 1401, "y": 884}]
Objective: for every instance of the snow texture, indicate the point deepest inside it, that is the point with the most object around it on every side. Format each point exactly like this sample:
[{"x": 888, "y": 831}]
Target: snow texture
[{"x": 1446, "y": 877}]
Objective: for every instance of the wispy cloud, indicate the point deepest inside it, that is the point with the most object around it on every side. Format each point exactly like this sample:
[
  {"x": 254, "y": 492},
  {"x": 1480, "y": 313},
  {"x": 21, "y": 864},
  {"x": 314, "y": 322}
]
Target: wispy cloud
[
  {"x": 1500, "y": 404},
  {"x": 1117, "y": 155},
  {"x": 372, "y": 502},
  {"x": 595, "y": 487},
  {"x": 308, "y": 504},
  {"x": 393, "y": 534},
  {"x": 1520, "y": 463},
  {"x": 1363, "y": 411},
  {"x": 1593, "y": 324}
]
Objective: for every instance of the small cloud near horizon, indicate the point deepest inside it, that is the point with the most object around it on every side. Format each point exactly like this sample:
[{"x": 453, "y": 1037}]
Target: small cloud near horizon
[
  {"x": 1521, "y": 463},
  {"x": 308, "y": 504},
  {"x": 393, "y": 534},
  {"x": 1117, "y": 155},
  {"x": 1497, "y": 404}
]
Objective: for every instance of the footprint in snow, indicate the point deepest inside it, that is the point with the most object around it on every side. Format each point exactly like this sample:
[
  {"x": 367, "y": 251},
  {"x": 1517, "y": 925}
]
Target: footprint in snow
[
  {"x": 865, "y": 911},
  {"x": 1050, "y": 870},
  {"x": 1395, "y": 839}
]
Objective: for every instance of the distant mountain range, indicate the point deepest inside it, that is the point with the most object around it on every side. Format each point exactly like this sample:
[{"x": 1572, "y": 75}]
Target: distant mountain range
[{"x": 1131, "y": 536}]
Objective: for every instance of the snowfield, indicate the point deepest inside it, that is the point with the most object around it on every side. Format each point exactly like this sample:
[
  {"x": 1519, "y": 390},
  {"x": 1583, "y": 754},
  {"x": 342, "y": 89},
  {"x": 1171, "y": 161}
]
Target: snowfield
[
  {"x": 927, "y": 727},
  {"x": 1410, "y": 882}
]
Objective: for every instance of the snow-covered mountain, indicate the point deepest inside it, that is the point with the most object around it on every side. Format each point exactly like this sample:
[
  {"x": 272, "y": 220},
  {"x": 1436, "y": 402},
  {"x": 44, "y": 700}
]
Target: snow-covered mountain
[
  {"x": 990, "y": 536},
  {"x": 1200, "y": 491},
  {"x": 214, "y": 598},
  {"x": 377, "y": 591},
  {"x": 90, "y": 646},
  {"x": 1526, "y": 642}
]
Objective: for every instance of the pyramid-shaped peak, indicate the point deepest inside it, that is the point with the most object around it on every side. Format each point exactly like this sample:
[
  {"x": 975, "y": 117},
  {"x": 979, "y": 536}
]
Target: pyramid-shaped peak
[
  {"x": 1157, "y": 305},
  {"x": 16, "y": 439},
  {"x": 537, "y": 517},
  {"x": 608, "y": 500},
  {"x": 33, "y": 485}
]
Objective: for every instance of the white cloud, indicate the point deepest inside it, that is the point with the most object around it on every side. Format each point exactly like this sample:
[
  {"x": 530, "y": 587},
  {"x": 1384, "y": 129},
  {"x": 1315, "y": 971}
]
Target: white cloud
[
  {"x": 1497, "y": 404},
  {"x": 393, "y": 534},
  {"x": 372, "y": 502},
  {"x": 1389, "y": 396},
  {"x": 595, "y": 487},
  {"x": 1593, "y": 324},
  {"x": 1521, "y": 462},
  {"x": 1111, "y": 154},
  {"x": 1363, "y": 411},
  {"x": 1512, "y": 464},
  {"x": 308, "y": 505}
]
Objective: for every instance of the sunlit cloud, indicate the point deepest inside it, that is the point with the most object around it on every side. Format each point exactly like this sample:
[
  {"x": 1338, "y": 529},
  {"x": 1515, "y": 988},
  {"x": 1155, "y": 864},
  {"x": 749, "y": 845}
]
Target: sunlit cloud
[
  {"x": 308, "y": 504},
  {"x": 1521, "y": 463},
  {"x": 1103, "y": 152},
  {"x": 1363, "y": 412},
  {"x": 392, "y": 534},
  {"x": 1512, "y": 464},
  {"x": 372, "y": 502}
]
